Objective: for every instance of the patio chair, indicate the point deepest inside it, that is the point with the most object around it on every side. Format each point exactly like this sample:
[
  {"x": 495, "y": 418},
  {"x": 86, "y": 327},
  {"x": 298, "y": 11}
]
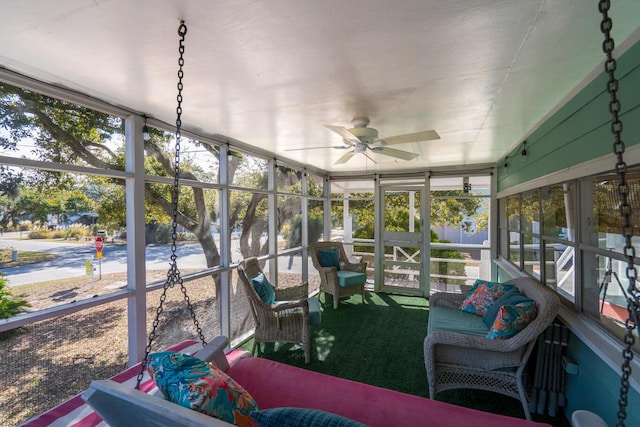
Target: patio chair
[
  {"x": 285, "y": 318},
  {"x": 338, "y": 276}
]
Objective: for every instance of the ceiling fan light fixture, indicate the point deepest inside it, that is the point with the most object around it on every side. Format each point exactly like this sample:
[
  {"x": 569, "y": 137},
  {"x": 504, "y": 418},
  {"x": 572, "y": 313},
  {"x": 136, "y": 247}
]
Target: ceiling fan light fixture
[
  {"x": 361, "y": 138},
  {"x": 360, "y": 148}
]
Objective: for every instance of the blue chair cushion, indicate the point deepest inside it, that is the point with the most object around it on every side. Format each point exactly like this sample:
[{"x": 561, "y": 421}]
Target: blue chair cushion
[
  {"x": 351, "y": 278},
  {"x": 314, "y": 311},
  {"x": 264, "y": 289},
  {"x": 329, "y": 258},
  {"x": 447, "y": 319}
]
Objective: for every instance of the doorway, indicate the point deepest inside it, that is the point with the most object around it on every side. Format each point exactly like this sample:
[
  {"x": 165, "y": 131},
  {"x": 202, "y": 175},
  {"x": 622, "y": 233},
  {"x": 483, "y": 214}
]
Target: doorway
[{"x": 403, "y": 244}]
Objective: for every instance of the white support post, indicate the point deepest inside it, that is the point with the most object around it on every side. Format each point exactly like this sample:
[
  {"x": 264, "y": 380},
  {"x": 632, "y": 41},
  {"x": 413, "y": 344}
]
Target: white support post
[
  {"x": 136, "y": 268},
  {"x": 272, "y": 227},
  {"x": 224, "y": 288},
  {"x": 305, "y": 227}
]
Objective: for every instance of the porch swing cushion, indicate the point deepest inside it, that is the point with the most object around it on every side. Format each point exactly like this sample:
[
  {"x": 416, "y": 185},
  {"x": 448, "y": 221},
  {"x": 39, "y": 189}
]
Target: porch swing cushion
[
  {"x": 350, "y": 278},
  {"x": 195, "y": 384},
  {"x": 273, "y": 385}
]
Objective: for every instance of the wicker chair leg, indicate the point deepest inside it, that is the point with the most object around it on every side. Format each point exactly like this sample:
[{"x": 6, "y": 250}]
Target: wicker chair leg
[
  {"x": 307, "y": 350},
  {"x": 253, "y": 349},
  {"x": 523, "y": 398},
  {"x": 336, "y": 300}
]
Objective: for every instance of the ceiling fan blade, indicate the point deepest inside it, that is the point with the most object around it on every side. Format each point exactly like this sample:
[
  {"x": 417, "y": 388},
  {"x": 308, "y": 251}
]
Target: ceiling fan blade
[
  {"x": 344, "y": 133},
  {"x": 344, "y": 158},
  {"x": 337, "y": 147},
  {"x": 404, "y": 155},
  {"x": 369, "y": 157},
  {"x": 427, "y": 135}
]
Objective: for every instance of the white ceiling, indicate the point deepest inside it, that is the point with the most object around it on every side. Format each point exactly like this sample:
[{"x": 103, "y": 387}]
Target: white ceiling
[{"x": 482, "y": 73}]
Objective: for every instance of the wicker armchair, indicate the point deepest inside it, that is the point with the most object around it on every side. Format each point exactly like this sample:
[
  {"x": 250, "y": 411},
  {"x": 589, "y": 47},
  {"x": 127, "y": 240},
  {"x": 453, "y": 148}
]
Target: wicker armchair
[
  {"x": 285, "y": 321},
  {"x": 459, "y": 361},
  {"x": 329, "y": 281}
]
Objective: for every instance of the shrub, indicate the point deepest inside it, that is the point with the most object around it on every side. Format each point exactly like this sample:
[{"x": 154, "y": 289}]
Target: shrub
[
  {"x": 163, "y": 233},
  {"x": 40, "y": 234},
  {"x": 9, "y": 305}
]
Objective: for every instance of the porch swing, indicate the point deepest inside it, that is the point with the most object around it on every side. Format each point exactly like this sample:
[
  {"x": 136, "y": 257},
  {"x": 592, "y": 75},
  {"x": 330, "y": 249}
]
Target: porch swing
[{"x": 119, "y": 405}]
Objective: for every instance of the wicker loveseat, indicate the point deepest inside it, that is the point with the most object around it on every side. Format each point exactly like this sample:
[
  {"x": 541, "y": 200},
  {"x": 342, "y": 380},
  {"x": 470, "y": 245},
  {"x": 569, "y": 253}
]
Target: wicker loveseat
[{"x": 455, "y": 359}]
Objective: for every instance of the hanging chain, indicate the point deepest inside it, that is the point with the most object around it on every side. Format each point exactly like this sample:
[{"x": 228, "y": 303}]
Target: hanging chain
[
  {"x": 173, "y": 275},
  {"x": 633, "y": 299}
]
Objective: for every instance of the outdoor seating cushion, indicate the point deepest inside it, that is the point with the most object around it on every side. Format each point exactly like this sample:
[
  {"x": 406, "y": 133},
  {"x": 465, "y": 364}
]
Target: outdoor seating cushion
[
  {"x": 195, "y": 384},
  {"x": 329, "y": 258},
  {"x": 301, "y": 417},
  {"x": 448, "y": 319},
  {"x": 512, "y": 319},
  {"x": 482, "y": 294},
  {"x": 264, "y": 289},
  {"x": 277, "y": 385},
  {"x": 350, "y": 278},
  {"x": 511, "y": 297}
]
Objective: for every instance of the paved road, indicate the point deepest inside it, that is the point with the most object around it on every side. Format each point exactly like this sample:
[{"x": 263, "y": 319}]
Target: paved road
[{"x": 71, "y": 258}]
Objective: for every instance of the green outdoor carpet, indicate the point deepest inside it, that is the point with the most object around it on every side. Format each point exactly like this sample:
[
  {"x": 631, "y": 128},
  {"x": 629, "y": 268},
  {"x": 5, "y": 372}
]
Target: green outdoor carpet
[{"x": 380, "y": 343}]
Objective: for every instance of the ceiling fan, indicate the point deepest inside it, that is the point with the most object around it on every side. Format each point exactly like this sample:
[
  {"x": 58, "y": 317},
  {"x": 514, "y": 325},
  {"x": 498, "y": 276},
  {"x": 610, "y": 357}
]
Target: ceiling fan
[{"x": 360, "y": 139}]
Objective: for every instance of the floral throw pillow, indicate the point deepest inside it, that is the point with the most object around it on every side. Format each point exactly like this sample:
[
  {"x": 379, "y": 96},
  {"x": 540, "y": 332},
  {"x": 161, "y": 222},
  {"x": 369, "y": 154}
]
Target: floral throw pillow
[
  {"x": 511, "y": 319},
  {"x": 482, "y": 294},
  {"x": 195, "y": 384}
]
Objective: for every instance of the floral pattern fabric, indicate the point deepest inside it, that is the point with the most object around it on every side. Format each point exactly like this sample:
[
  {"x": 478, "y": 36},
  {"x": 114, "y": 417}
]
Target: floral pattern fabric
[
  {"x": 195, "y": 384},
  {"x": 482, "y": 294},
  {"x": 511, "y": 319}
]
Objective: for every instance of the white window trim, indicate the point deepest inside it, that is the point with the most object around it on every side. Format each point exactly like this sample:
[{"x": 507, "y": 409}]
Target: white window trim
[{"x": 605, "y": 346}]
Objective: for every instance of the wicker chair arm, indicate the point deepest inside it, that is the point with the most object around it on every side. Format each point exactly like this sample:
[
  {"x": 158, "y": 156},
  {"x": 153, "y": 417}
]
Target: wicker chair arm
[
  {"x": 446, "y": 299},
  {"x": 290, "y": 305},
  {"x": 292, "y": 292},
  {"x": 360, "y": 267},
  {"x": 331, "y": 273}
]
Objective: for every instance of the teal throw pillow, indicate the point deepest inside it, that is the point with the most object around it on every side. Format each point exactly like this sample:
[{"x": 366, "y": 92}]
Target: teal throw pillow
[
  {"x": 511, "y": 319},
  {"x": 195, "y": 384},
  {"x": 300, "y": 417},
  {"x": 511, "y": 297},
  {"x": 329, "y": 258},
  {"x": 264, "y": 289}
]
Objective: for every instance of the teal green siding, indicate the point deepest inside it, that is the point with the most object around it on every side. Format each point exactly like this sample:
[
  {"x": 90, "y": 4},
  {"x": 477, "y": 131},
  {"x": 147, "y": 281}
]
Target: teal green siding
[
  {"x": 580, "y": 130},
  {"x": 597, "y": 387}
]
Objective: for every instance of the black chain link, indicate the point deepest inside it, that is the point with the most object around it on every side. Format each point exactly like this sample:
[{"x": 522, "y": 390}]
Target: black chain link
[
  {"x": 173, "y": 275},
  {"x": 633, "y": 299}
]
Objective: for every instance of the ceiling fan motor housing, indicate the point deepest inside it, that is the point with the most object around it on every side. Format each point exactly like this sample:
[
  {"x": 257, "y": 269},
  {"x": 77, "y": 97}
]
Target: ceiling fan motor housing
[{"x": 365, "y": 134}]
